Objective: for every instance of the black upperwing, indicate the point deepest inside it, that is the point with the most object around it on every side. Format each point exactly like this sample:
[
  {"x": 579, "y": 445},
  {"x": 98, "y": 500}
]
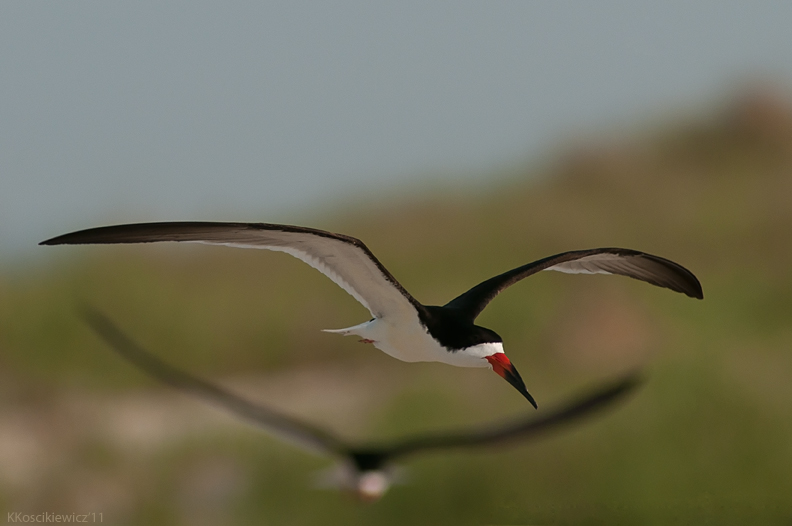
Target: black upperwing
[
  {"x": 637, "y": 265},
  {"x": 517, "y": 430},
  {"x": 283, "y": 426}
]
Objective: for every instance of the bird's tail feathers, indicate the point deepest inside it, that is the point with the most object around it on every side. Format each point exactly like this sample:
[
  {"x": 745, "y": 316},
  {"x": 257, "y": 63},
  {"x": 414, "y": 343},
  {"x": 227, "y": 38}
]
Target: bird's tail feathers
[{"x": 355, "y": 329}]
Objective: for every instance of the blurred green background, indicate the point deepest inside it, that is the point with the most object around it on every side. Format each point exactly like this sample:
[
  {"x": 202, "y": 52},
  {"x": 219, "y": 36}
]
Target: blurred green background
[{"x": 707, "y": 440}]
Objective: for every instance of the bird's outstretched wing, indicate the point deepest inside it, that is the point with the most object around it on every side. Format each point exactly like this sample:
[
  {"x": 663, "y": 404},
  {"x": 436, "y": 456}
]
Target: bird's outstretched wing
[
  {"x": 638, "y": 265},
  {"x": 343, "y": 259},
  {"x": 288, "y": 428},
  {"x": 363, "y": 457},
  {"x": 511, "y": 432}
]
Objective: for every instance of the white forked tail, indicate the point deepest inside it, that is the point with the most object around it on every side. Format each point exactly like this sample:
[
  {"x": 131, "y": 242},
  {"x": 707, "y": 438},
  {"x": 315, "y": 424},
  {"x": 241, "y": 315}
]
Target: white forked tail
[{"x": 356, "y": 329}]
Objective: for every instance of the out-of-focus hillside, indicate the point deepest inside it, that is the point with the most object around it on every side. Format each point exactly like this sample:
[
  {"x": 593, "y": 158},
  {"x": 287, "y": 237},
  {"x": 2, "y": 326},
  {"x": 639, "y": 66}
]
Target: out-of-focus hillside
[{"x": 707, "y": 440}]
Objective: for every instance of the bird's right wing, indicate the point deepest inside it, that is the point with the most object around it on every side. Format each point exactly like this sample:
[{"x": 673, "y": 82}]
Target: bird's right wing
[
  {"x": 517, "y": 430},
  {"x": 287, "y": 428}
]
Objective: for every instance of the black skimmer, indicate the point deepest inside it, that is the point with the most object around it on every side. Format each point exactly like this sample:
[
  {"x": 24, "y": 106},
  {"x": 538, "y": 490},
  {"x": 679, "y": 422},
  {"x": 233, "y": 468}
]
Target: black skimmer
[
  {"x": 366, "y": 470},
  {"x": 400, "y": 325}
]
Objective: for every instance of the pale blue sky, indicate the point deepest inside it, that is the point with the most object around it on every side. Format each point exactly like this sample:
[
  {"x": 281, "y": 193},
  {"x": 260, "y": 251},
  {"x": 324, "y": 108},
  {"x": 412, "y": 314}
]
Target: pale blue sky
[{"x": 258, "y": 111}]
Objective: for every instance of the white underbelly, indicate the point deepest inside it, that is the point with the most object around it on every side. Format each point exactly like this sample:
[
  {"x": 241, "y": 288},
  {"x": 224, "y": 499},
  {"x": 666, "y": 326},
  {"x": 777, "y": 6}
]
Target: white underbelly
[{"x": 412, "y": 343}]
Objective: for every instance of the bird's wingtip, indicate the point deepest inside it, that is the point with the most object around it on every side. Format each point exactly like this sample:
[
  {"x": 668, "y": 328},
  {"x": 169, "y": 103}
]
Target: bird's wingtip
[{"x": 695, "y": 290}]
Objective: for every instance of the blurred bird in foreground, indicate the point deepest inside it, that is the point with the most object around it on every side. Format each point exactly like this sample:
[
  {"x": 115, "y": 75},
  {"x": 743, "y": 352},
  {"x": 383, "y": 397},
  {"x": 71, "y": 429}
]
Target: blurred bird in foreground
[
  {"x": 401, "y": 326},
  {"x": 366, "y": 470}
]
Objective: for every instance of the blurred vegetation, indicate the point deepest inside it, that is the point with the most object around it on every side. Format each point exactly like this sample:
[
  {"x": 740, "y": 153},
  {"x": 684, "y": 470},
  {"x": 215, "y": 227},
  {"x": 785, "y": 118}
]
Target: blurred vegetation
[{"x": 708, "y": 440}]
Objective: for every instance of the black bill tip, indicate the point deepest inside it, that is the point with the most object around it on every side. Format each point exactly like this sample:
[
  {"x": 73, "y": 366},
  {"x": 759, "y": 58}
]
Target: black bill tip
[{"x": 503, "y": 366}]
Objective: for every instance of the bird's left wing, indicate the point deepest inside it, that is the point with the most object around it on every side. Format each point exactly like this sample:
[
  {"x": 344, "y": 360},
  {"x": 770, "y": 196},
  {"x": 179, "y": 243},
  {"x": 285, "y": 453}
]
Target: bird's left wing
[
  {"x": 622, "y": 261},
  {"x": 518, "y": 430},
  {"x": 287, "y": 428},
  {"x": 343, "y": 259}
]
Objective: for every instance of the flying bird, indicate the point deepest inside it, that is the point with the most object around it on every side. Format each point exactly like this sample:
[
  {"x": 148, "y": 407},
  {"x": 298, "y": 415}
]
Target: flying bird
[
  {"x": 366, "y": 470},
  {"x": 401, "y": 326}
]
